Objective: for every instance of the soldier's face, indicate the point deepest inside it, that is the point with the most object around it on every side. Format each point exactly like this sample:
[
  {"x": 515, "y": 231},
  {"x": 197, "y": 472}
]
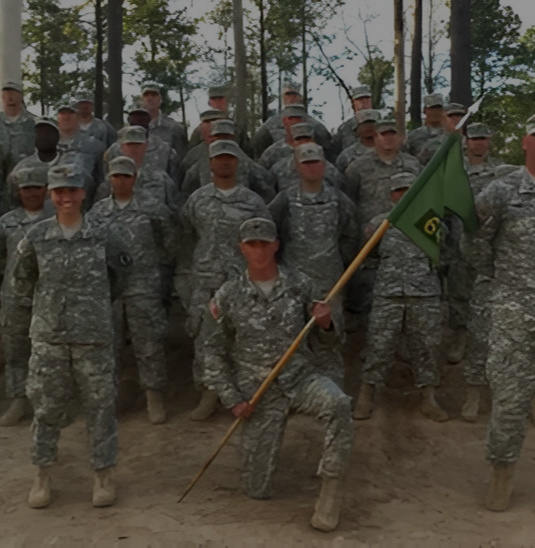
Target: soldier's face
[
  {"x": 123, "y": 185},
  {"x": 289, "y": 121},
  {"x": 528, "y": 146},
  {"x": 32, "y": 198},
  {"x": 478, "y": 147},
  {"x": 450, "y": 121},
  {"x": 12, "y": 101},
  {"x": 388, "y": 141},
  {"x": 259, "y": 254},
  {"x": 84, "y": 108},
  {"x": 362, "y": 103},
  {"x": 136, "y": 151},
  {"x": 139, "y": 119},
  {"x": 219, "y": 103},
  {"x": 433, "y": 115},
  {"x": 292, "y": 98},
  {"x": 151, "y": 100},
  {"x": 46, "y": 137},
  {"x": 67, "y": 200},
  {"x": 224, "y": 165},
  {"x": 366, "y": 130},
  {"x": 311, "y": 171},
  {"x": 67, "y": 121},
  {"x": 396, "y": 195}
]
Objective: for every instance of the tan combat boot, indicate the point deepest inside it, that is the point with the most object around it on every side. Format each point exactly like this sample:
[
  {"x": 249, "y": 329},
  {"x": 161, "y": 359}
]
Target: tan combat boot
[
  {"x": 39, "y": 496},
  {"x": 471, "y": 404},
  {"x": 18, "y": 409},
  {"x": 155, "y": 407},
  {"x": 457, "y": 346},
  {"x": 206, "y": 406},
  {"x": 103, "y": 488},
  {"x": 328, "y": 505},
  {"x": 501, "y": 486},
  {"x": 430, "y": 407},
  {"x": 364, "y": 406}
]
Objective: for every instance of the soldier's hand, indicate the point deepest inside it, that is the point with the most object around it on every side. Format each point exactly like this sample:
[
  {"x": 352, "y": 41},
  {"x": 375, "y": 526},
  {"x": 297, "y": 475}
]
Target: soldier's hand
[
  {"x": 242, "y": 410},
  {"x": 322, "y": 312}
]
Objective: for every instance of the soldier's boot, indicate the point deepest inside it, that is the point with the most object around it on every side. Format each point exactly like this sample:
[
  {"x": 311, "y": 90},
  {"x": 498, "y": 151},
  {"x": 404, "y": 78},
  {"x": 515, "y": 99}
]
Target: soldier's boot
[
  {"x": 430, "y": 407},
  {"x": 39, "y": 496},
  {"x": 457, "y": 346},
  {"x": 18, "y": 409},
  {"x": 328, "y": 505},
  {"x": 364, "y": 405},
  {"x": 103, "y": 488},
  {"x": 471, "y": 404},
  {"x": 206, "y": 406},
  {"x": 501, "y": 486},
  {"x": 155, "y": 407}
]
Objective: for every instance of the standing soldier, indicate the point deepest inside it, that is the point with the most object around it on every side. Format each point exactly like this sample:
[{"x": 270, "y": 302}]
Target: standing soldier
[
  {"x": 15, "y": 316},
  {"x": 94, "y": 127},
  {"x": 62, "y": 266},
  {"x": 433, "y": 111},
  {"x": 211, "y": 218}
]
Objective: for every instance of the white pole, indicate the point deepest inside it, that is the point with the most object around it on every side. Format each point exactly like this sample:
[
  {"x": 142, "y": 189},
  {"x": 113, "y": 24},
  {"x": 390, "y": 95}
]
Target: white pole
[{"x": 10, "y": 41}]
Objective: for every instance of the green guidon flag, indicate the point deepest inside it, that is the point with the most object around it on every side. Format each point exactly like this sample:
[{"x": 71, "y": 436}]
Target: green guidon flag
[{"x": 442, "y": 187}]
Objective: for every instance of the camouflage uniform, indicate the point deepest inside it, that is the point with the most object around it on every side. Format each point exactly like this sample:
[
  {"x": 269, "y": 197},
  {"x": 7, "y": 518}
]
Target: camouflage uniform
[
  {"x": 15, "y": 316},
  {"x": 149, "y": 234},
  {"x": 172, "y": 133},
  {"x": 350, "y": 153},
  {"x": 211, "y": 222},
  {"x": 418, "y": 138},
  {"x": 251, "y": 334},
  {"x": 318, "y": 236},
  {"x": 71, "y": 332},
  {"x": 345, "y": 135},
  {"x": 406, "y": 299},
  {"x": 101, "y": 131},
  {"x": 507, "y": 211},
  {"x": 275, "y": 152}
]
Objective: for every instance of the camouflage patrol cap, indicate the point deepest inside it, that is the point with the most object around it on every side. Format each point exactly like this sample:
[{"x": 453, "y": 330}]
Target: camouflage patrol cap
[
  {"x": 296, "y": 111},
  {"x": 478, "y": 131},
  {"x": 302, "y": 129},
  {"x": 66, "y": 108},
  {"x": 12, "y": 85},
  {"x": 367, "y": 115},
  {"x": 84, "y": 97},
  {"x": 258, "y": 228},
  {"x": 454, "y": 108},
  {"x": 291, "y": 87},
  {"x": 309, "y": 152},
  {"x": 433, "y": 100},
  {"x": 68, "y": 175},
  {"x": 217, "y": 91},
  {"x": 530, "y": 125},
  {"x": 31, "y": 176},
  {"x": 403, "y": 179},
  {"x": 132, "y": 134},
  {"x": 388, "y": 124},
  {"x": 217, "y": 148},
  {"x": 122, "y": 165},
  {"x": 46, "y": 122},
  {"x": 137, "y": 109},
  {"x": 361, "y": 91},
  {"x": 150, "y": 86},
  {"x": 213, "y": 114},
  {"x": 222, "y": 127}
]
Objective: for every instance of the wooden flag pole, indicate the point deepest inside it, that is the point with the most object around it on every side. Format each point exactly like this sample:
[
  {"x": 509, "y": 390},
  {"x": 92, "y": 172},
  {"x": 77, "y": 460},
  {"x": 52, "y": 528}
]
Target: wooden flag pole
[{"x": 344, "y": 278}]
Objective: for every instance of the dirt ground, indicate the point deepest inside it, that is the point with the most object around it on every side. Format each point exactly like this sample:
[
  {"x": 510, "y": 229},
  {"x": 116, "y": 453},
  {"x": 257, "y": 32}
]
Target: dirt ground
[{"x": 412, "y": 482}]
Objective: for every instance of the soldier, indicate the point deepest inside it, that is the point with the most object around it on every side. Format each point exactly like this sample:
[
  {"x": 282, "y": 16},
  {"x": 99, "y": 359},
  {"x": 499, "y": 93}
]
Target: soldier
[
  {"x": 364, "y": 128},
  {"x": 318, "y": 232},
  {"x": 94, "y": 127},
  {"x": 506, "y": 209},
  {"x": 173, "y": 133},
  {"x": 406, "y": 299},
  {"x": 258, "y": 316},
  {"x": 361, "y": 99},
  {"x": 62, "y": 265},
  {"x": 16, "y": 137},
  {"x": 15, "y": 316},
  {"x": 433, "y": 111},
  {"x": 211, "y": 218},
  {"x": 149, "y": 235}
]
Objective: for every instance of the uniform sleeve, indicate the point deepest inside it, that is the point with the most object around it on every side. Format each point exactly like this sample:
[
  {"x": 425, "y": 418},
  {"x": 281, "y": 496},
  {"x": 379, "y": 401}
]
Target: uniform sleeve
[
  {"x": 262, "y": 182},
  {"x": 119, "y": 260},
  {"x": 353, "y": 178},
  {"x": 25, "y": 273},
  {"x": 349, "y": 229}
]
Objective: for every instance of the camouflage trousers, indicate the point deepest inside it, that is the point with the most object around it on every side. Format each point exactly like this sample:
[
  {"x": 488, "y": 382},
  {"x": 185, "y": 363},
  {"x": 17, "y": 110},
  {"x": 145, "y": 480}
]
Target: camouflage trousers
[
  {"x": 317, "y": 396},
  {"x": 419, "y": 319},
  {"x": 478, "y": 327},
  {"x": 511, "y": 373},
  {"x": 146, "y": 319},
  {"x": 57, "y": 374},
  {"x": 17, "y": 348},
  {"x": 458, "y": 292},
  {"x": 360, "y": 289}
]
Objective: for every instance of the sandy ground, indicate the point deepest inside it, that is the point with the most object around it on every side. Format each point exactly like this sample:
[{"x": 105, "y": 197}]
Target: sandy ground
[{"x": 412, "y": 482}]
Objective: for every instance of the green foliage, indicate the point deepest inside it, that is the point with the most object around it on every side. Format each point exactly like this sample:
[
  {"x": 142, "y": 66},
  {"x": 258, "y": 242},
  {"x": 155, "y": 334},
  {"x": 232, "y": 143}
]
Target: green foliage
[{"x": 378, "y": 73}]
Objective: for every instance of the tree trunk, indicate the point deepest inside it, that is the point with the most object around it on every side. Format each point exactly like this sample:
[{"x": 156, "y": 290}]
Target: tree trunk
[
  {"x": 10, "y": 40},
  {"x": 182, "y": 104},
  {"x": 304, "y": 54},
  {"x": 460, "y": 52},
  {"x": 416, "y": 68},
  {"x": 429, "y": 80},
  {"x": 263, "y": 65},
  {"x": 99, "y": 64},
  {"x": 399, "y": 62},
  {"x": 115, "y": 56},
  {"x": 240, "y": 65}
]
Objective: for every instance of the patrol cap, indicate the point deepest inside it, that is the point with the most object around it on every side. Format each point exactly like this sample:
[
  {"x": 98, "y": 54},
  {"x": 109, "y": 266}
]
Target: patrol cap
[
  {"x": 297, "y": 111},
  {"x": 258, "y": 228},
  {"x": 217, "y": 91},
  {"x": 213, "y": 114},
  {"x": 68, "y": 175},
  {"x": 46, "y": 122},
  {"x": 403, "y": 179},
  {"x": 388, "y": 124},
  {"x": 150, "y": 86},
  {"x": 67, "y": 108},
  {"x": 84, "y": 97},
  {"x": 367, "y": 115},
  {"x": 218, "y": 127},
  {"x": 433, "y": 100},
  {"x": 361, "y": 91},
  {"x": 303, "y": 129},
  {"x": 31, "y": 176},
  {"x": 132, "y": 134},
  {"x": 454, "y": 108},
  {"x": 223, "y": 147},
  {"x": 309, "y": 152},
  {"x": 122, "y": 165},
  {"x": 530, "y": 125},
  {"x": 138, "y": 109},
  {"x": 291, "y": 87},
  {"x": 478, "y": 131},
  {"x": 12, "y": 85}
]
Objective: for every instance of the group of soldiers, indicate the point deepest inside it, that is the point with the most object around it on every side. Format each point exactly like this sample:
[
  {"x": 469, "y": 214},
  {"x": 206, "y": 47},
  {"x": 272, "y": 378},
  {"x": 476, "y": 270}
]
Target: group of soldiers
[{"x": 100, "y": 230}]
